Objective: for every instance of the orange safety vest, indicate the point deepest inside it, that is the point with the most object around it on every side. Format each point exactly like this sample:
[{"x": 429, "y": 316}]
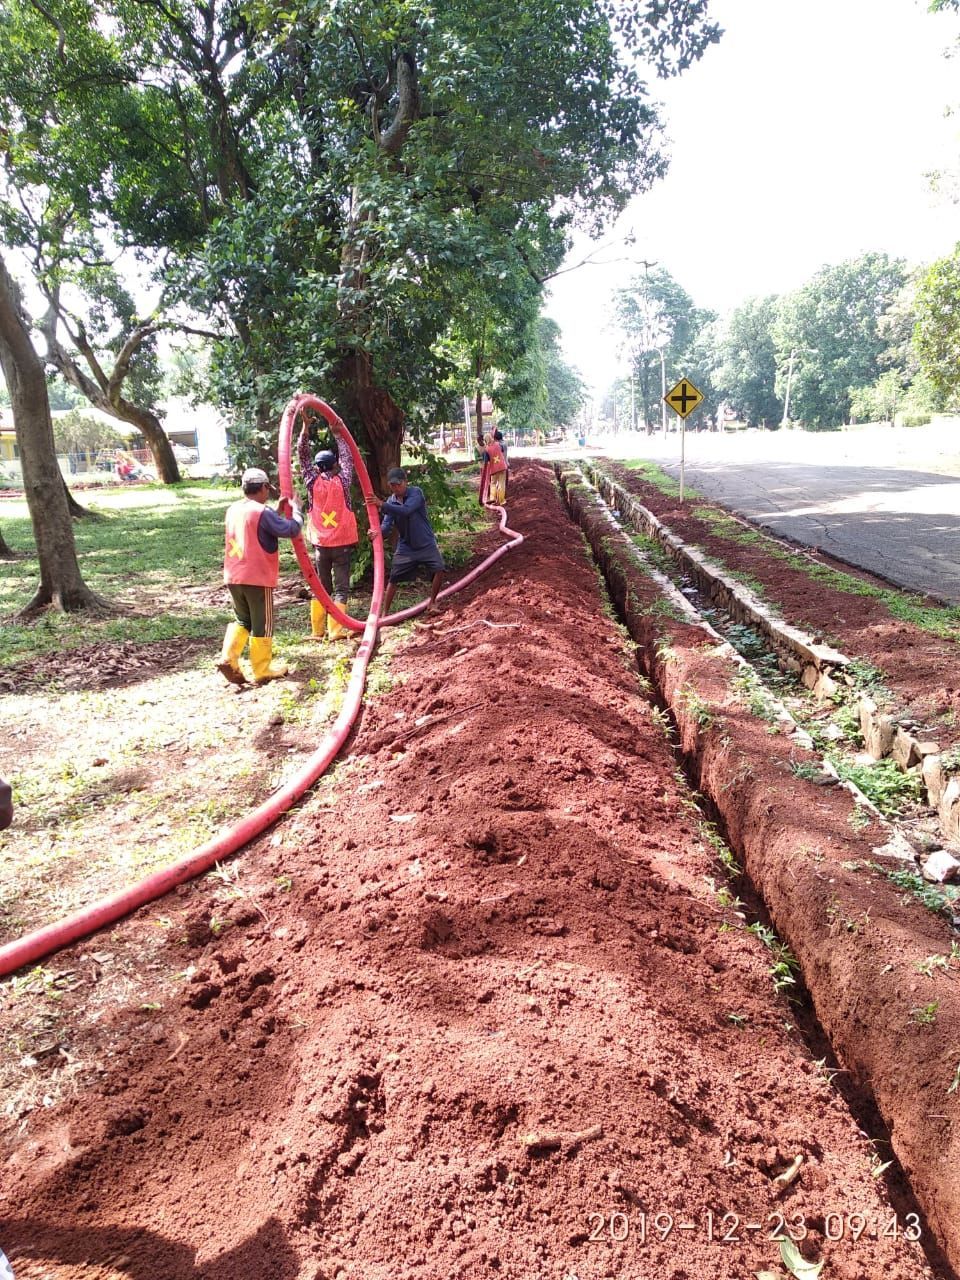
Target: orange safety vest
[
  {"x": 331, "y": 523},
  {"x": 498, "y": 462},
  {"x": 244, "y": 560}
]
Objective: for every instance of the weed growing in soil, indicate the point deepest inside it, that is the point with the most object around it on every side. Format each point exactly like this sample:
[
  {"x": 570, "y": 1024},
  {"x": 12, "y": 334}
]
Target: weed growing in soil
[
  {"x": 925, "y": 1015},
  {"x": 940, "y": 900},
  {"x": 662, "y": 720},
  {"x": 710, "y": 834},
  {"x": 927, "y": 967},
  {"x": 655, "y": 552},
  {"x": 699, "y": 711},
  {"x": 805, "y": 769},
  {"x": 847, "y": 720},
  {"x": 755, "y": 697},
  {"x": 859, "y": 819},
  {"x": 938, "y": 620},
  {"x": 750, "y": 644},
  {"x": 955, "y": 1082},
  {"x": 725, "y": 526},
  {"x": 868, "y": 679},
  {"x": 727, "y": 899},
  {"x": 884, "y": 783},
  {"x": 785, "y": 965}
]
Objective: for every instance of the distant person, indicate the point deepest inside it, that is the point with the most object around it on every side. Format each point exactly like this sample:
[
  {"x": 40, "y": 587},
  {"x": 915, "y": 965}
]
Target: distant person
[
  {"x": 406, "y": 511},
  {"x": 331, "y": 526},
  {"x": 496, "y": 465},
  {"x": 251, "y": 570},
  {"x": 498, "y": 436}
]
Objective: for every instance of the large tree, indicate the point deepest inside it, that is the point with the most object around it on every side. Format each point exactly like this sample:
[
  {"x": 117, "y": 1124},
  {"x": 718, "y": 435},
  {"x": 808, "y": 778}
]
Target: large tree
[
  {"x": 748, "y": 362},
  {"x": 659, "y": 324},
  {"x": 829, "y": 332},
  {"x": 61, "y": 583},
  {"x": 541, "y": 391},
  {"x": 327, "y": 179},
  {"x": 50, "y": 109},
  {"x": 937, "y": 332}
]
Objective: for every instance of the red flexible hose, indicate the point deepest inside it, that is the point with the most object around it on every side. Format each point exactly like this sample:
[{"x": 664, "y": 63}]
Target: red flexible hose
[{"x": 41, "y": 942}]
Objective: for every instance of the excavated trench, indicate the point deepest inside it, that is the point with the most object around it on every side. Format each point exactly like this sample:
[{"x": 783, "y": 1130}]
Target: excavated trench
[
  {"x": 816, "y": 862},
  {"x": 488, "y": 1003}
]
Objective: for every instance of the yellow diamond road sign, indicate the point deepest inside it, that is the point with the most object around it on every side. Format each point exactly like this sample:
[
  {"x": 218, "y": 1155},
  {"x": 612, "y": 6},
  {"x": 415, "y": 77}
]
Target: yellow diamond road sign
[{"x": 684, "y": 398}]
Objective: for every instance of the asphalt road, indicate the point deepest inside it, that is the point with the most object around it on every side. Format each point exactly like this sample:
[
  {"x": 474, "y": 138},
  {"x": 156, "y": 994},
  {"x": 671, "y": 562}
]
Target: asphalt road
[{"x": 882, "y": 499}]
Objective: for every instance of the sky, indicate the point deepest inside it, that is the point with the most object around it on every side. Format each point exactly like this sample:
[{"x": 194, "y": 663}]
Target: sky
[{"x": 803, "y": 138}]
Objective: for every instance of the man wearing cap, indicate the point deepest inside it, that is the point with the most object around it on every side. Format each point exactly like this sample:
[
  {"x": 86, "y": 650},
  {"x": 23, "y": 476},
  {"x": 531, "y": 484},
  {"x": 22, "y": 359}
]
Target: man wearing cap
[
  {"x": 331, "y": 526},
  {"x": 251, "y": 570},
  {"x": 406, "y": 510}
]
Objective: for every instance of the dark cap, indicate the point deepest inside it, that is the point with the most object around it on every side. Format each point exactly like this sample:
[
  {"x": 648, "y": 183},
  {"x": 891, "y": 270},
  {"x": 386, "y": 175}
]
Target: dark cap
[{"x": 395, "y": 475}]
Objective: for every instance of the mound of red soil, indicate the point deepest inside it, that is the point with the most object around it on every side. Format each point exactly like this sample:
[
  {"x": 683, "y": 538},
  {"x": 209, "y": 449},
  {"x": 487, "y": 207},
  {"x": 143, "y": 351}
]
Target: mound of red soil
[{"x": 503, "y": 1024}]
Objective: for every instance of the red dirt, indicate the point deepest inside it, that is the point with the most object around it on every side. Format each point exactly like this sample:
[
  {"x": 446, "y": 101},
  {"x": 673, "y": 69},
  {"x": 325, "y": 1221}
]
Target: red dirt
[
  {"x": 501, "y": 1004},
  {"x": 877, "y": 962}
]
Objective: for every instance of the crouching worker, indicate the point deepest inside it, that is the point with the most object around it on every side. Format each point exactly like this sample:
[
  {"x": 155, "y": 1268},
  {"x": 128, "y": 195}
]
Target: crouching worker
[
  {"x": 251, "y": 569},
  {"x": 406, "y": 510},
  {"x": 331, "y": 526}
]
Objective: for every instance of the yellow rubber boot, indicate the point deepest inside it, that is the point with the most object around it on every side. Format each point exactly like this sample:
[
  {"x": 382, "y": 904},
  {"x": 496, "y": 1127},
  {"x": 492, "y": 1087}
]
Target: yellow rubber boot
[
  {"x": 318, "y": 620},
  {"x": 261, "y": 651},
  {"x": 336, "y": 630},
  {"x": 233, "y": 643}
]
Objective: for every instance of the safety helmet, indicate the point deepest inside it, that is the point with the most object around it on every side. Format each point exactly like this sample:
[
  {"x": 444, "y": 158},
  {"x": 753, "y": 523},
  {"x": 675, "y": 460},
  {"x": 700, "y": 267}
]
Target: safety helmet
[{"x": 326, "y": 460}]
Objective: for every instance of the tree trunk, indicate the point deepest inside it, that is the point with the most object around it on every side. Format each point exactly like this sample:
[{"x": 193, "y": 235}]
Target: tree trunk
[
  {"x": 61, "y": 583},
  {"x": 106, "y": 392},
  {"x": 378, "y": 414},
  {"x": 152, "y": 431},
  {"x": 76, "y": 511},
  {"x": 6, "y": 551}
]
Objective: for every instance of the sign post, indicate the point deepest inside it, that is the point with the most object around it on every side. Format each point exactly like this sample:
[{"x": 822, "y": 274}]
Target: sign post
[{"x": 683, "y": 399}]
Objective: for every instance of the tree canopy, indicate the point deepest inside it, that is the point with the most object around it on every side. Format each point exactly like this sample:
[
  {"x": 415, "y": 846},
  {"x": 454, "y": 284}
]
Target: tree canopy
[
  {"x": 831, "y": 325},
  {"x": 657, "y": 315},
  {"x": 335, "y": 183}
]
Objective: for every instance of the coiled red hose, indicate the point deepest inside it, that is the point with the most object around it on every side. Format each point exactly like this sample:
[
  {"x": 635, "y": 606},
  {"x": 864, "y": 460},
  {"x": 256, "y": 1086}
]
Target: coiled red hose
[{"x": 41, "y": 942}]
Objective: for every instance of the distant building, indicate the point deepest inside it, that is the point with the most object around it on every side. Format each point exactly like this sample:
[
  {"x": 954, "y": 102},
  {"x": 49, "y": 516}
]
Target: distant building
[{"x": 198, "y": 433}]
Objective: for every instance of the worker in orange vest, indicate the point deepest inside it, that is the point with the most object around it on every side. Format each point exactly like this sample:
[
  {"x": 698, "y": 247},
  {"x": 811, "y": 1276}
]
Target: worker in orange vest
[
  {"x": 496, "y": 465},
  {"x": 331, "y": 526},
  {"x": 251, "y": 570}
]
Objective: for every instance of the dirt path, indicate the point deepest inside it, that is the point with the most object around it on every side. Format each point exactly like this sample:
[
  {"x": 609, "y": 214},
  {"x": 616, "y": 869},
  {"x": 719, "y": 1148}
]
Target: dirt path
[{"x": 490, "y": 1010}]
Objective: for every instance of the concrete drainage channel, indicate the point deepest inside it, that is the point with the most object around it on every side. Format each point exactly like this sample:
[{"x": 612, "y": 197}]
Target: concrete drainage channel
[
  {"x": 879, "y": 966},
  {"x": 822, "y": 670}
]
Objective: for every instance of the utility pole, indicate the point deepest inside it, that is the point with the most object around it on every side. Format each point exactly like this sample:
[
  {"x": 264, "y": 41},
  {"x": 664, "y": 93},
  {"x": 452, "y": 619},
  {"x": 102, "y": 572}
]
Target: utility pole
[
  {"x": 663, "y": 391},
  {"x": 786, "y": 398}
]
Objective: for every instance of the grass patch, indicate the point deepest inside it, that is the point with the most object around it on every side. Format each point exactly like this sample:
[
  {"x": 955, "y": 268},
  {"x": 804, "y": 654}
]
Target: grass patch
[
  {"x": 940, "y": 899},
  {"x": 655, "y": 552},
  {"x": 656, "y": 476}
]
